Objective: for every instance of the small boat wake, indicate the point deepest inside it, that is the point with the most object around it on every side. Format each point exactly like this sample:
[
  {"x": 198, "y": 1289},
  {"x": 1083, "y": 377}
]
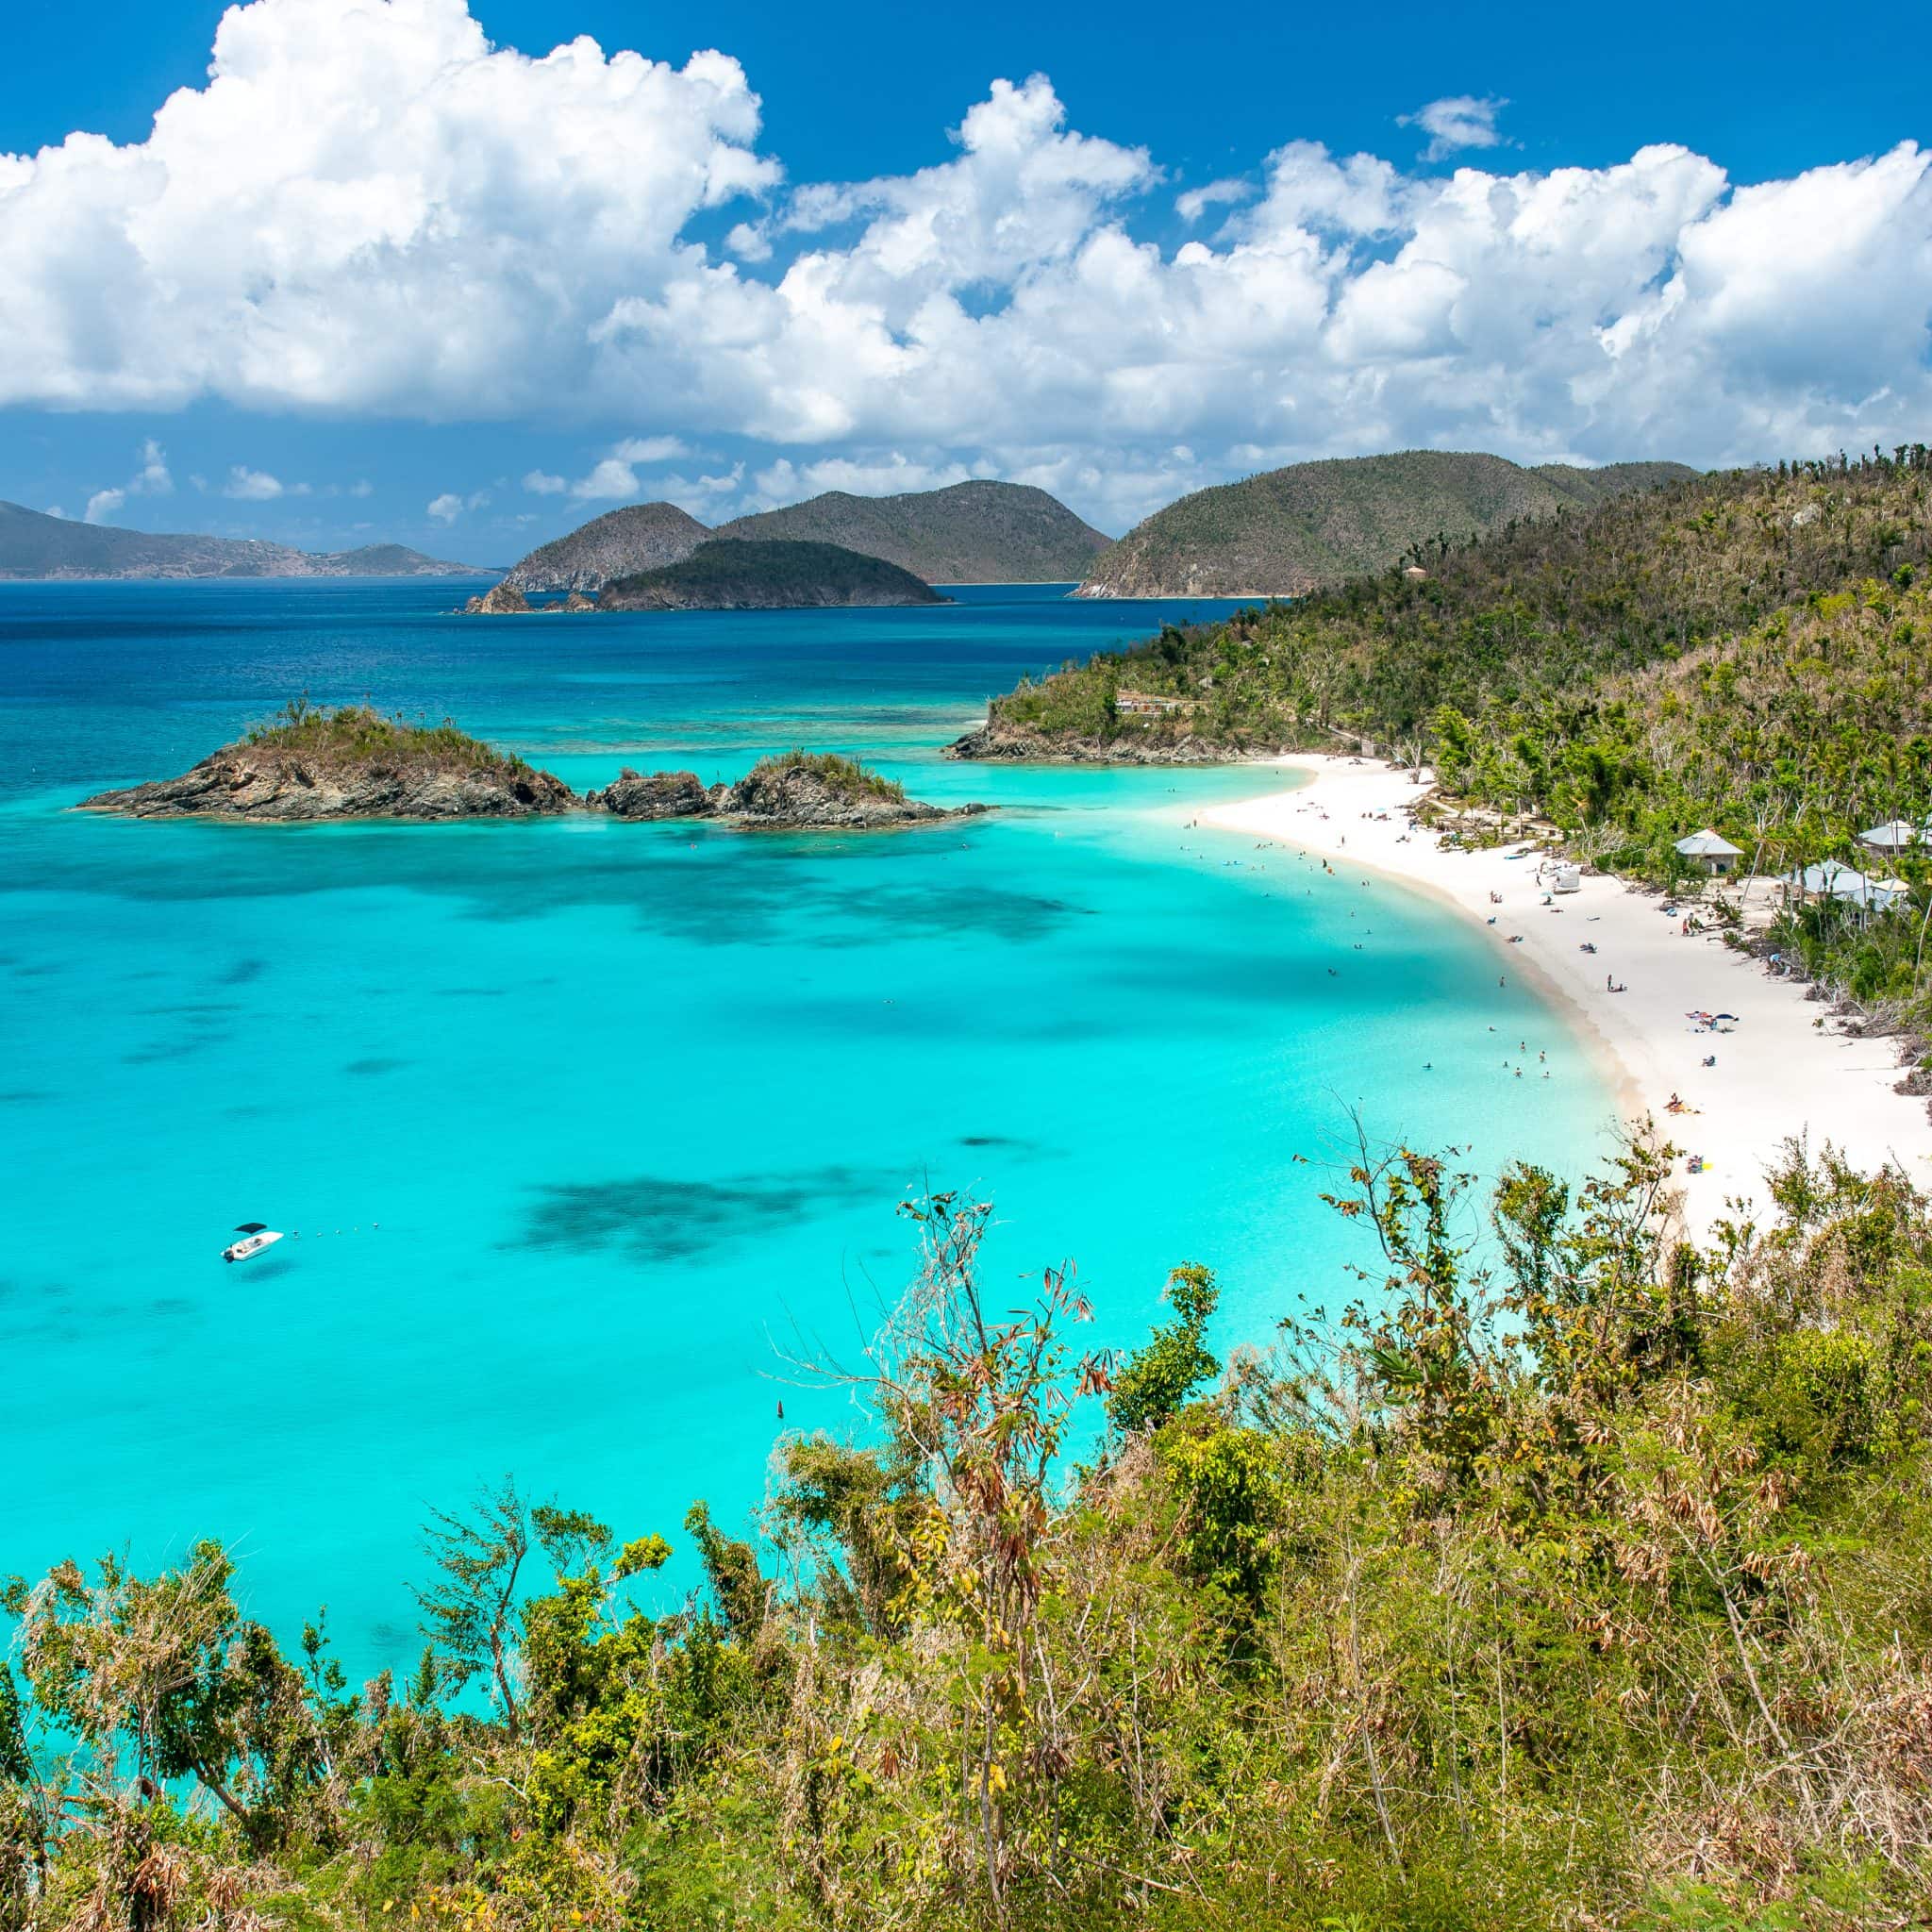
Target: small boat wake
[{"x": 255, "y": 1236}]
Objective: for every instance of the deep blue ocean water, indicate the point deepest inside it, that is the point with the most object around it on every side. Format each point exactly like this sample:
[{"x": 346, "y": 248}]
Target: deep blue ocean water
[{"x": 582, "y": 1125}]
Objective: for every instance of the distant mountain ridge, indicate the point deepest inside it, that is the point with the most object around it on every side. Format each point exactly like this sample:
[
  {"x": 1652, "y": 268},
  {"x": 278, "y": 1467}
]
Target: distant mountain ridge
[
  {"x": 977, "y": 532},
  {"x": 34, "y": 545},
  {"x": 1293, "y": 530},
  {"x": 620, "y": 544},
  {"x": 981, "y": 532}
]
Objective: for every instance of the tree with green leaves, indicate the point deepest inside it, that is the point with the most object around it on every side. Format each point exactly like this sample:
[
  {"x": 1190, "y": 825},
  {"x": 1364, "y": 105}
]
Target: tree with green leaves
[{"x": 1160, "y": 1377}]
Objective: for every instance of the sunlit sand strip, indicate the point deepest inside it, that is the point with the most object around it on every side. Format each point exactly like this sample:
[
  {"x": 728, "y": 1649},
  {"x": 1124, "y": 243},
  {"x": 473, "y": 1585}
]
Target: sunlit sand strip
[{"x": 1777, "y": 1073}]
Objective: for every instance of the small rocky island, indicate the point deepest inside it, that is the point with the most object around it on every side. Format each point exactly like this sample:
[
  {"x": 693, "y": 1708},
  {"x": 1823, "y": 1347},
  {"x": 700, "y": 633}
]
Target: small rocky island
[
  {"x": 735, "y": 573},
  {"x": 505, "y": 600},
  {"x": 799, "y": 791},
  {"x": 313, "y": 762}
]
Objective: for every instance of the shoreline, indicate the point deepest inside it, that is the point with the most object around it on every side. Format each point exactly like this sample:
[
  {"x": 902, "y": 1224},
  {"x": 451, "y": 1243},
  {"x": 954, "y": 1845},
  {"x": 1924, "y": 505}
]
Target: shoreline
[{"x": 1777, "y": 1073}]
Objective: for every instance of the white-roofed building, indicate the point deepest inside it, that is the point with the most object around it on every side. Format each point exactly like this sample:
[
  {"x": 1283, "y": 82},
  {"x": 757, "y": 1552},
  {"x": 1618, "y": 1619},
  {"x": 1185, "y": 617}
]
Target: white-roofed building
[
  {"x": 1833, "y": 880},
  {"x": 1710, "y": 852},
  {"x": 1892, "y": 838}
]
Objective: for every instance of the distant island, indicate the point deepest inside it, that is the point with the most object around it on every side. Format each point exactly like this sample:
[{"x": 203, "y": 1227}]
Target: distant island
[
  {"x": 639, "y": 537},
  {"x": 730, "y": 574},
  {"x": 1291, "y": 532},
  {"x": 979, "y": 532},
  {"x": 314, "y": 762},
  {"x": 36, "y": 547}
]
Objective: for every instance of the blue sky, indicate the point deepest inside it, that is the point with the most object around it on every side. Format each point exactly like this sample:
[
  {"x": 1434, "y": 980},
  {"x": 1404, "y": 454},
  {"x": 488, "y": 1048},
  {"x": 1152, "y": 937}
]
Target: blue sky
[{"x": 382, "y": 269}]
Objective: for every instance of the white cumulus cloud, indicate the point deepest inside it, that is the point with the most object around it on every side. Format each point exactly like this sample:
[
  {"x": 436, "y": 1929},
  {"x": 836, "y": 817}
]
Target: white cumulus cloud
[
  {"x": 103, "y": 504},
  {"x": 153, "y": 478},
  {"x": 447, "y": 508},
  {"x": 1457, "y": 122},
  {"x": 362, "y": 208},
  {"x": 370, "y": 211},
  {"x": 251, "y": 486},
  {"x": 615, "y": 477},
  {"x": 1195, "y": 202}
]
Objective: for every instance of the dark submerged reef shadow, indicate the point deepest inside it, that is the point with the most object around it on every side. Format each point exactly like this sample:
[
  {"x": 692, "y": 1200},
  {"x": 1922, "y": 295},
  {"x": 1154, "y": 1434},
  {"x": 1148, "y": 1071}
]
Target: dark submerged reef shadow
[{"x": 652, "y": 1219}]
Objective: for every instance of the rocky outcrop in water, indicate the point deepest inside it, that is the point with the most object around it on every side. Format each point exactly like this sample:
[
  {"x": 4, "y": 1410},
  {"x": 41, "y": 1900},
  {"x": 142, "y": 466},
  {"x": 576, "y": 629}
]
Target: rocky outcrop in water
[
  {"x": 657, "y": 795},
  {"x": 500, "y": 600},
  {"x": 317, "y": 763},
  {"x": 799, "y": 793},
  {"x": 505, "y": 600},
  {"x": 242, "y": 781}
]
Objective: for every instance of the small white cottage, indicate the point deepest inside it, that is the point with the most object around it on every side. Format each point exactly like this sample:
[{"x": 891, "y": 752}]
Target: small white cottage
[
  {"x": 1890, "y": 840},
  {"x": 1709, "y": 852}
]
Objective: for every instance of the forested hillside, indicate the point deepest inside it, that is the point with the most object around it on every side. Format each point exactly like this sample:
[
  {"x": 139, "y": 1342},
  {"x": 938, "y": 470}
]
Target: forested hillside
[
  {"x": 1290, "y": 531},
  {"x": 1745, "y": 650},
  {"x": 1591, "y": 1595},
  {"x": 729, "y": 573}
]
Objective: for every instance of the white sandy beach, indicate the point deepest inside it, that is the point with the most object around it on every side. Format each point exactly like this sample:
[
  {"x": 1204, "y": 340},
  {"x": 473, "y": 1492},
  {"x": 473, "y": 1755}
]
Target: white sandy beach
[{"x": 1776, "y": 1074}]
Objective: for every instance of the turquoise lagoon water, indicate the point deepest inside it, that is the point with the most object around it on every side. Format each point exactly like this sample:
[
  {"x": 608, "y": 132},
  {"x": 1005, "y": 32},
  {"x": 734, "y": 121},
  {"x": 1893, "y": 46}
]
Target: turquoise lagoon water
[{"x": 582, "y": 1125}]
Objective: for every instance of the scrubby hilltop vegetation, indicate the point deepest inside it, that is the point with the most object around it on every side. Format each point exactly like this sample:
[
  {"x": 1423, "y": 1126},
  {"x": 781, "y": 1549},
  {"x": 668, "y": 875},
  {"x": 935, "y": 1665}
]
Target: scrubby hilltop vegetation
[
  {"x": 1287, "y": 531},
  {"x": 1589, "y": 1596},
  {"x": 1541, "y": 605}
]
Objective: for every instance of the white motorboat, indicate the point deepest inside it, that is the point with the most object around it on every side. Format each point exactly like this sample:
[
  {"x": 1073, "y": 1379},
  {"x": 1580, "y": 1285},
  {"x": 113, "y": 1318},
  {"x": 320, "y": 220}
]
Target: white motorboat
[{"x": 255, "y": 1236}]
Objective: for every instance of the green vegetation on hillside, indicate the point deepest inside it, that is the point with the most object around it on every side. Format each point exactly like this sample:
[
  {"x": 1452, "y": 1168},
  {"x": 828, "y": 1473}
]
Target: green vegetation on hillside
[
  {"x": 348, "y": 736},
  {"x": 621, "y": 542},
  {"x": 844, "y": 778},
  {"x": 1590, "y": 1594},
  {"x": 732, "y": 573},
  {"x": 1287, "y": 531},
  {"x": 1745, "y": 650},
  {"x": 975, "y": 532}
]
